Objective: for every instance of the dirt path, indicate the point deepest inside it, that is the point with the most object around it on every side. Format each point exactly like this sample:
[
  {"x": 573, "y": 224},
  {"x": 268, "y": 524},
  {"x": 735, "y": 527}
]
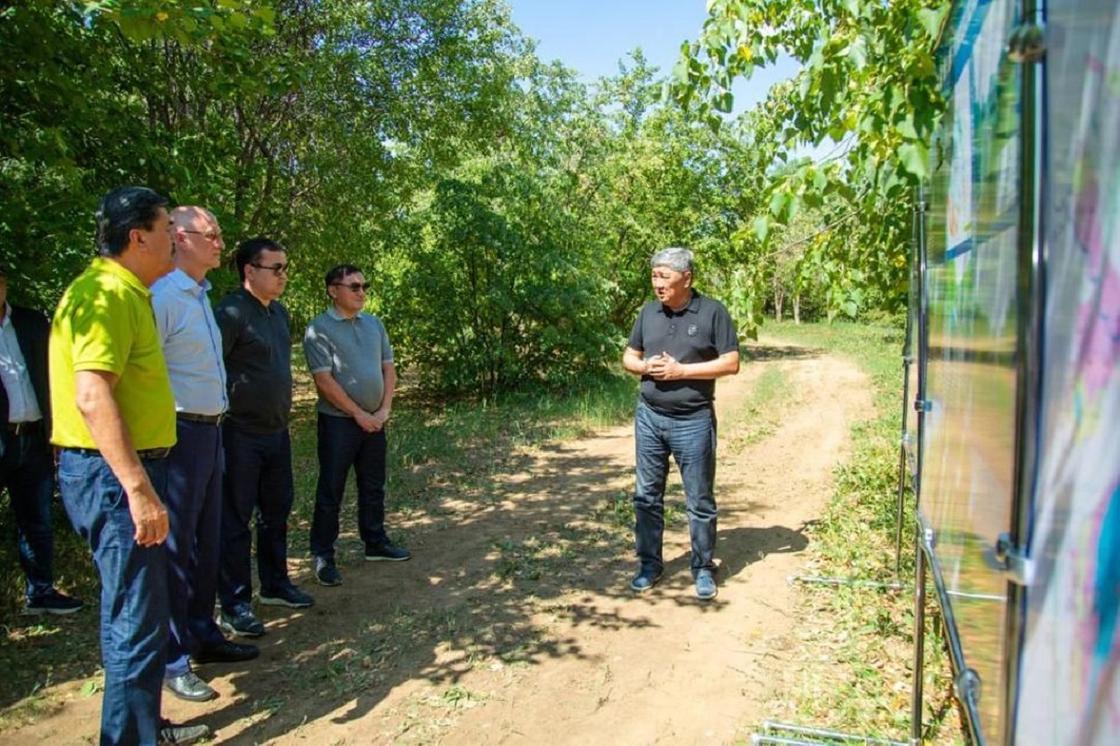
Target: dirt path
[{"x": 513, "y": 624}]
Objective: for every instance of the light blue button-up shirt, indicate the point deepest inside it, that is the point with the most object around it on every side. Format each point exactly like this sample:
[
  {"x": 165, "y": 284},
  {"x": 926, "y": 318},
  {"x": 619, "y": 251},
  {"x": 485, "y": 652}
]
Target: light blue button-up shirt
[{"x": 192, "y": 343}]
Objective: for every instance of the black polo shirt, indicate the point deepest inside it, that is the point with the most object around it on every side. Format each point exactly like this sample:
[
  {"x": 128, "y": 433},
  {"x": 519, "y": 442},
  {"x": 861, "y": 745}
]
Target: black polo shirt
[
  {"x": 257, "y": 347},
  {"x": 701, "y": 331}
]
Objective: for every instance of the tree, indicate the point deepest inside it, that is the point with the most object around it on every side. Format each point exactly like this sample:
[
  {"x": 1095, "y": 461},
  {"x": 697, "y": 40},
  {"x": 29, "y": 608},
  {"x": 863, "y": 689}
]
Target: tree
[{"x": 868, "y": 84}]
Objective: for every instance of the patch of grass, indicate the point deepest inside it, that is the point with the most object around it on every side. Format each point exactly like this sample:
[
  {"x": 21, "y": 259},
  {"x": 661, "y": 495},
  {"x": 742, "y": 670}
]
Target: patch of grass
[
  {"x": 760, "y": 415},
  {"x": 863, "y": 638}
]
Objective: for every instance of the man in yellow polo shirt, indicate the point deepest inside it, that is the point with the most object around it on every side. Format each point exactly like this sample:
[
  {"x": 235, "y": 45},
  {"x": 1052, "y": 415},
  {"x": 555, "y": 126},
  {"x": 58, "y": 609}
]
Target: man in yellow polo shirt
[{"x": 114, "y": 423}]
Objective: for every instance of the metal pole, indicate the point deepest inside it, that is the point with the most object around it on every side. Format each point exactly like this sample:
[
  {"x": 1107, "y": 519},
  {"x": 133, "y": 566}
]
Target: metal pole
[
  {"x": 920, "y": 296},
  {"x": 902, "y": 464},
  {"x": 919, "y": 640},
  {"x": 1027, "y": 48}
]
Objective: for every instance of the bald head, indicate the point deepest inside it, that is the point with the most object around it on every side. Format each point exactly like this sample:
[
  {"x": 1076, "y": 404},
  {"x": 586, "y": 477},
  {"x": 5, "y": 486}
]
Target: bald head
[{"x": 198, "y": 240}]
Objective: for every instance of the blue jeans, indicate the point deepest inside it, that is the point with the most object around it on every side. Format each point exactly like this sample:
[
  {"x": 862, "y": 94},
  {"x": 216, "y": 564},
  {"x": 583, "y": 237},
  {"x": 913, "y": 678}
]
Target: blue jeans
[
  {"x": 692, "y": 443},
  {"x": 27, "y": 472},
  {"x": 258, "y": 477},
  {"x": 133, "y": 594},
  {"x": 342, "y": 445},
  {"x": 194, "y": 509}
]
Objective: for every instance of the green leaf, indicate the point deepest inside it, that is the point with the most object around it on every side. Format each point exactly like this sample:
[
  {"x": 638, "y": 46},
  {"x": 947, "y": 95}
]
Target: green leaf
[
  {"x": 931, "y": 19},
  {"x": 761, "y": 227},
  {"x": 820, "y": 179},
  {"x": 857, "y": 53},
  {"x": 778, "y": 202},
  {"x": 906, "y": 128},
  {"x": 915, "y": 158}
]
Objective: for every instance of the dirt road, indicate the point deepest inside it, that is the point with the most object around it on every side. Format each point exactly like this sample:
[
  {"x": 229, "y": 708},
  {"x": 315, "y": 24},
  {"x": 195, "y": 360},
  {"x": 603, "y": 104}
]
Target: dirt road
[{"x": 513, "y": 623}]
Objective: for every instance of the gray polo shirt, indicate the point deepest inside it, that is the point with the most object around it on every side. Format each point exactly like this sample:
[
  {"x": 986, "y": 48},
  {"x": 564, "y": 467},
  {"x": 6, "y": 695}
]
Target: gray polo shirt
[{"x": 352, "y": 351}]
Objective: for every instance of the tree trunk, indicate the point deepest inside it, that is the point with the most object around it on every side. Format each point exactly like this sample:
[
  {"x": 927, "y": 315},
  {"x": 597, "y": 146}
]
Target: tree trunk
[
  {"x": 779, "y": 298},
  {"x": 797, "y": 308}
]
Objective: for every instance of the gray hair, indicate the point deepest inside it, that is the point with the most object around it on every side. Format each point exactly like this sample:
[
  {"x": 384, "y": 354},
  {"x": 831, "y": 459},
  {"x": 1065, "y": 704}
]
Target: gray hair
[{"x": 674, "y": 257}]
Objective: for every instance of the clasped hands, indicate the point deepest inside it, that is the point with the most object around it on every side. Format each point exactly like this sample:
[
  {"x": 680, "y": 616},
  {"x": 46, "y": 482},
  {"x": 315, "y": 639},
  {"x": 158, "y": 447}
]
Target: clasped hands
[
  {"x": 372, "y": 422},
  {"x": 664, "y": 367}
]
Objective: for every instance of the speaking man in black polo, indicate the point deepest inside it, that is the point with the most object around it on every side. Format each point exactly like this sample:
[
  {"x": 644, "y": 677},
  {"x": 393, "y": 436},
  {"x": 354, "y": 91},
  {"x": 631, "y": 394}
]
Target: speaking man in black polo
[{"x": 679, "y": 345}]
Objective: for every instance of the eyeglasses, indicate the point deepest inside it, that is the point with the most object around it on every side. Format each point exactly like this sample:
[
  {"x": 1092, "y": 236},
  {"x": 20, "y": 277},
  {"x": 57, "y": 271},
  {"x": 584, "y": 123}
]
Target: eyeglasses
[
  {"x": 208, "y": 235},
  {"x": 354, "y": 286},
  {"x": 277, "y": 269}
]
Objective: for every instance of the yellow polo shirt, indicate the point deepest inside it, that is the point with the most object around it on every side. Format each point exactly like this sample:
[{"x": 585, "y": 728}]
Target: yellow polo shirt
[{"x": 105, "y": 322}]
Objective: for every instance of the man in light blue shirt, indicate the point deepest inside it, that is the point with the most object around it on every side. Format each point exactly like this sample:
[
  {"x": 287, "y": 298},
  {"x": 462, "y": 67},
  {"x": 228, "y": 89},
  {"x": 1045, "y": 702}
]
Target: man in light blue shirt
[{"x": 192, "y": 345}]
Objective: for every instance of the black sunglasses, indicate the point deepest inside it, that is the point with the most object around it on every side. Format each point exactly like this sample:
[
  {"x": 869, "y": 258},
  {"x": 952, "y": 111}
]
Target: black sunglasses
[
  {"x": 354, "y": 286},
  {"x": 277, "y": 269}
]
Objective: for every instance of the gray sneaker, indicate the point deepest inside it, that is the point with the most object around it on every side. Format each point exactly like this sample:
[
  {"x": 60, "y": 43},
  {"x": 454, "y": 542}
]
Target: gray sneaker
[
  {"x": 705, "y": 585},
  {"x": 645, "y": 580},
  {"x": 170, "y": 733}
]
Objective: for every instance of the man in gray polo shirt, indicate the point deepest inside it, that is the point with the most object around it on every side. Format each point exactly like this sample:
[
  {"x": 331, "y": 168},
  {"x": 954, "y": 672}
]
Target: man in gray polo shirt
[{"x": 349, "y": 355}]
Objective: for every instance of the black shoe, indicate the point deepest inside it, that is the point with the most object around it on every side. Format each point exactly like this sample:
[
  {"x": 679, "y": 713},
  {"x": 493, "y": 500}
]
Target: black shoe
[
  {"x": 226, "y": 652},
  {"x": 291, "y": 597},
  {"x": 386, "y": 553},
  {"x": 52, "y": 602},
  {"x": 644, "y": 580},
  {"x": 245, "y": 624},
  {"x": 189, "y": 687},
  {"x": 169, "y": 733},
  {"x": 326, "y": 573}
]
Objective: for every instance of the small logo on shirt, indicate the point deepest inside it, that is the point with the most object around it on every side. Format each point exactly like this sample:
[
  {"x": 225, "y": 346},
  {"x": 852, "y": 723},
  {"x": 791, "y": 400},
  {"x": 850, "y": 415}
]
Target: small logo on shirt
[{"x": 692, "y": 329}]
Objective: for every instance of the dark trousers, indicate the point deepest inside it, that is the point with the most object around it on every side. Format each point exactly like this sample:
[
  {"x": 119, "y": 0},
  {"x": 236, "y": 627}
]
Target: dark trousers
[
  {"x": 258, "y": 477},
  {"x": 133, "y": 594},
  {"x": 692, "y": 443},
  {"x": 342, "y": 445},
  {"x": 194, "y": 510},
  {"x": 27, "y": 472}
]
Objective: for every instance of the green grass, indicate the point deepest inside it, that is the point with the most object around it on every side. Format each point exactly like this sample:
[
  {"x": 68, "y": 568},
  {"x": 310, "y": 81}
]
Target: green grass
[
  {"x": 866, "y": 635},
  {"x": 760, "y": 415}
]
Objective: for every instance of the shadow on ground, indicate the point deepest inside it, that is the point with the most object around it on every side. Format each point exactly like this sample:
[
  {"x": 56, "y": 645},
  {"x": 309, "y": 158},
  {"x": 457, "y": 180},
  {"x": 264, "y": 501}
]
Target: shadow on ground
[{"x": 497, "y": 538}]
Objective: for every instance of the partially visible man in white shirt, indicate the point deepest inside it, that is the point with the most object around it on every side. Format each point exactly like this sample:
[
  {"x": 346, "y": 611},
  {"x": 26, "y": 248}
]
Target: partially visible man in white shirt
[{"x": 25, "y": 457}]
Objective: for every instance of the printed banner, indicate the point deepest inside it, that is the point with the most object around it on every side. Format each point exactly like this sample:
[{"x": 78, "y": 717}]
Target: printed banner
[
  {"x": 968, "y": 457},
  {"x": 1069, "y": 689}
]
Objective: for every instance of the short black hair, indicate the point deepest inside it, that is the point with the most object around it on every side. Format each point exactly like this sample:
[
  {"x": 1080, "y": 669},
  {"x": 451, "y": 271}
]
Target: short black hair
[
  {"x": 334, "y": 274},
  {"x": 250, "y": 250},
  {"x": 120, "y": 211}
]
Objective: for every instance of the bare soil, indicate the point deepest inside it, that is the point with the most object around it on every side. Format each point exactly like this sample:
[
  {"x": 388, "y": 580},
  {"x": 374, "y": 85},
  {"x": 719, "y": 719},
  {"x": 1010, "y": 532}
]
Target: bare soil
[{"x": 514, "y": 624}]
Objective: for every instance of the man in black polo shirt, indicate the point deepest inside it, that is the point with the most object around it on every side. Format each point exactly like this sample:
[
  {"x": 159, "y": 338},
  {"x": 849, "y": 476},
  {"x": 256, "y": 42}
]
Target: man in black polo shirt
[
  {"x": 679, "y": 345},
  {"x": 257, "y": 347}
]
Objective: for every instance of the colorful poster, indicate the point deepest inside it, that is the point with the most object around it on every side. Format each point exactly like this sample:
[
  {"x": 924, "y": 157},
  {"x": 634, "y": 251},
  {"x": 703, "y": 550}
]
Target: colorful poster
[
  {"x": 968, "y": 445},
  {"x": 1069, "y": 688}
]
